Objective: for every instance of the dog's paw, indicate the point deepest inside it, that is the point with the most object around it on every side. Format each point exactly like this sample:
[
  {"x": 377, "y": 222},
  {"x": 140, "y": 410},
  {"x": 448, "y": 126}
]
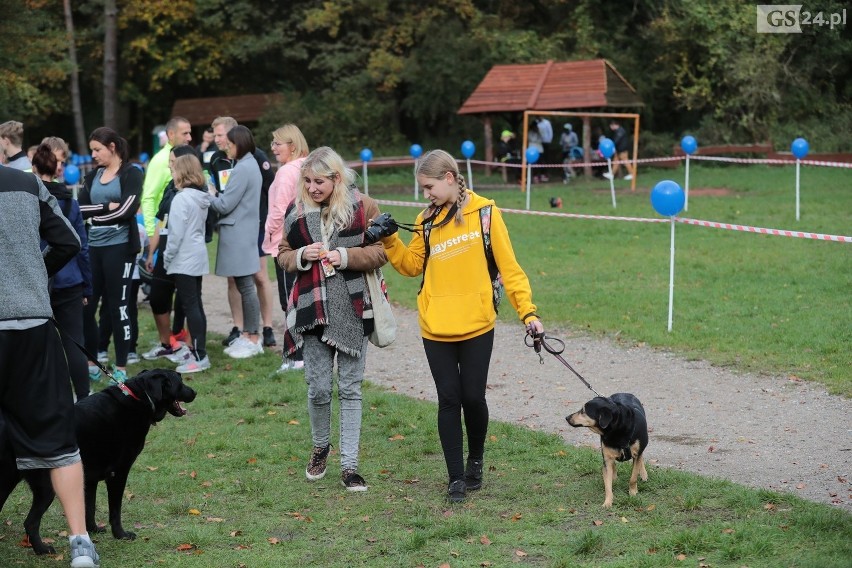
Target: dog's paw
[
  {"x": 44, "y": 549},
  {"x": 124, "y": 535},
  {"x": 96, "y": 528}
]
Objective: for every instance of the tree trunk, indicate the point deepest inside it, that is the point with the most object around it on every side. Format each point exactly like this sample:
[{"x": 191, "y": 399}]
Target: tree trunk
[
  {"x": 110, "y": 62},
  {"x": 77, "y": 107}
]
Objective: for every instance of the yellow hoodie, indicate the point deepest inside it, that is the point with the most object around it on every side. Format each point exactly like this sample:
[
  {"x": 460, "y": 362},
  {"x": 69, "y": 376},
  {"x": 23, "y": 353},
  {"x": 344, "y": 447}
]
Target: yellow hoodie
[{"x": 456, "y": 300}]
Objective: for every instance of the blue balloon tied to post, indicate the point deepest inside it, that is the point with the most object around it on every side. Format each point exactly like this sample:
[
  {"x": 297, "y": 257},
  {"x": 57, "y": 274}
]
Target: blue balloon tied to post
[
  {"x": 366, "y": 155},
  {"x": 143, "y": 157},
  {"x": 688, "y": 144},
  {"x": 800, "y": 148},
  {"x": 416, "y": 151},
  {"x": 607, "y": 148},
  {"x": 668, "y": 198},
  {"x": 532, "y": 155},
  {"x": 468, "y": 149},
  {"x": 72, "y": 174}
]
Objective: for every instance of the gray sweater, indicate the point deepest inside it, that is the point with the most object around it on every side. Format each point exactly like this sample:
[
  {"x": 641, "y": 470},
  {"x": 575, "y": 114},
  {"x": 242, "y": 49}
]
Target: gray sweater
[{"x": 29, "y": 213}]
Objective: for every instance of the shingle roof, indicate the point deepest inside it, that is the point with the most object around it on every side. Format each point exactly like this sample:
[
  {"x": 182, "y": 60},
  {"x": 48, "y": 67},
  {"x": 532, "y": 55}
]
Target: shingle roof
[
  {"x": 243, "y": 108},
  {"x": 551, "y": 86}
]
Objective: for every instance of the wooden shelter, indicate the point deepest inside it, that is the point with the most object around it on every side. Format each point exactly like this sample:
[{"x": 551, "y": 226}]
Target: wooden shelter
[
  {"x": 549, "y": 88},
  {"x": 243, "y": 108}
]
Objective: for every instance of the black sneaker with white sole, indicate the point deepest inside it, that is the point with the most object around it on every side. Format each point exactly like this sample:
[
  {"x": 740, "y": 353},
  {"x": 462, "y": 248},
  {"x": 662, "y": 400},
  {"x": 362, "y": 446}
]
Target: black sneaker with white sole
[
  {"x": 456, "y": 491},
  {"x": 473, "y": 474},
  {"x": 235, "y": 333},
  {"x": 352, "y": 481}
]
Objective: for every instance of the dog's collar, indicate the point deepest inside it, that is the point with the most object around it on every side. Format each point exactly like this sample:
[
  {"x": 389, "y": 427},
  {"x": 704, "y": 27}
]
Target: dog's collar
[{"x": 127, "y": 392}]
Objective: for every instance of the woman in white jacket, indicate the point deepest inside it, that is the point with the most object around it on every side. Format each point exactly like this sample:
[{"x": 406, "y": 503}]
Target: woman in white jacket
[{"x": 185, "y": 257}]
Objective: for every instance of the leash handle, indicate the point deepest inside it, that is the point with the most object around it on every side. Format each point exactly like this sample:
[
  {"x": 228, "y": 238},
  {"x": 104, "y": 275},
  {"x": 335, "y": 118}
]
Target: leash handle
[{"x": 539, "y": 340}]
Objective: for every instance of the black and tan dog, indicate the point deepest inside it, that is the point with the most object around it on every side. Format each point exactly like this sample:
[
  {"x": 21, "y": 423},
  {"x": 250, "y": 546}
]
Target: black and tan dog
[
  {"x": 620, "y": 422},
  {"x": 111, "y": 429}
]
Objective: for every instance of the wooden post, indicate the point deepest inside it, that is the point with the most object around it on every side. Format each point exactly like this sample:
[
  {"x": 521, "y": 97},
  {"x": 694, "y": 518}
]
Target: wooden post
[
  {"x": 587, "y": 146},
  {"x": 635, "y": 153},
  {"x": 489, "y": 146}
]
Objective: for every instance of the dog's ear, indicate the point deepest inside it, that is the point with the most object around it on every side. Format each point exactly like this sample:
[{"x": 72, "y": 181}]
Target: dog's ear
[
  {"x": 604, "y": 417},
  {"x": 154, "y": 383}
]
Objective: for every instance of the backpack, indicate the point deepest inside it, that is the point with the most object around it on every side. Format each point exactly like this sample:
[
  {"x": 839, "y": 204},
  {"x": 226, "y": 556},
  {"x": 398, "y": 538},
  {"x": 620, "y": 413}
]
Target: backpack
[{"x": 497, "y": 289}]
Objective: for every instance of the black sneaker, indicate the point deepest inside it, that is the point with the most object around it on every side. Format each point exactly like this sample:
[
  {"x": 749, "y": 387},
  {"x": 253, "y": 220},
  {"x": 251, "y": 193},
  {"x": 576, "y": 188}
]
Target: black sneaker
[
  {"x": 268, "y": 337},
  {"x": 456, "y": 491},
  {"x": 316, "y": 465},
  {"x": 473, "y": 474},
  {"x": 235, "y": 333},
  {"x": 352, "y": 481}
]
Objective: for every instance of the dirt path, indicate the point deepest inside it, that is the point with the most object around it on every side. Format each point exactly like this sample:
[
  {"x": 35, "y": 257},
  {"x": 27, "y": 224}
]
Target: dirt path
[{"x": 763, "y": 432}]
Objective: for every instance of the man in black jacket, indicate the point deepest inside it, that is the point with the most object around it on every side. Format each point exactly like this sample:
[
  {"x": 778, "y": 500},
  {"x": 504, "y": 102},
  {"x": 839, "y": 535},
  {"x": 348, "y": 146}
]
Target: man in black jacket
[{"x": 35, "y": 394}]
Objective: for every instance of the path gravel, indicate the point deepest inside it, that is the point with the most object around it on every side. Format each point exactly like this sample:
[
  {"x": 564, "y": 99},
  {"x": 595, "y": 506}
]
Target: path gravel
[{"x": 767, "y": 432}]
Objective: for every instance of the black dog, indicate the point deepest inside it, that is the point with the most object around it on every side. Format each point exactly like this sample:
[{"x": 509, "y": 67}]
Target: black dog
[
  {"x": 620, "y": 421},
  {"x": 111, "y": 430}
]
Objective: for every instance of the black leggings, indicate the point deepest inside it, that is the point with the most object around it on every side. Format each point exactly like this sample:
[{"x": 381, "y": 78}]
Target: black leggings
[
  {"x": 112, "y": 270},
  {"x": 189, "y": 296},
  {"x": 460, "y": 372},
  {"x": 286, "y": 280},
  {"x": 67, "y": 304}
]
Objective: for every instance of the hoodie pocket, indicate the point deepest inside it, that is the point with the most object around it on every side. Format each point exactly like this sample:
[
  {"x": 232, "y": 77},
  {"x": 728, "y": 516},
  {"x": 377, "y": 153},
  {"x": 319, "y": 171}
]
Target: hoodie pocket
[{"x": 455, "y": 315}]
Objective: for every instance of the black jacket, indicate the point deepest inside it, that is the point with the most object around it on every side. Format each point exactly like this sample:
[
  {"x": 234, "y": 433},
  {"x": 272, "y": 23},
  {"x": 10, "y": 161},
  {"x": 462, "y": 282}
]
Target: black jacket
[{"x": 130, "y": 178}]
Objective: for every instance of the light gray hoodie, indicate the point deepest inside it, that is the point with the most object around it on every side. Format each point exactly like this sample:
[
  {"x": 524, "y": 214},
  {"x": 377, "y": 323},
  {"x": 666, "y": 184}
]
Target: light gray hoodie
[{"x": 186, "y": 250}]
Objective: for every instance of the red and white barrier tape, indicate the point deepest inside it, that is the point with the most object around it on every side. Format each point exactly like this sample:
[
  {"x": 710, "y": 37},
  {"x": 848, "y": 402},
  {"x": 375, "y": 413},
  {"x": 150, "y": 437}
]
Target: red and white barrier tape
[{"x": 711, "y": 224}]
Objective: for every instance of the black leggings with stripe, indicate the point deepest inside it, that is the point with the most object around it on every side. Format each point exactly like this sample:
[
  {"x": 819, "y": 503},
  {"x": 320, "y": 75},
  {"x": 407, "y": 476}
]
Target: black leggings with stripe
[{"x": 112, "y": 271}]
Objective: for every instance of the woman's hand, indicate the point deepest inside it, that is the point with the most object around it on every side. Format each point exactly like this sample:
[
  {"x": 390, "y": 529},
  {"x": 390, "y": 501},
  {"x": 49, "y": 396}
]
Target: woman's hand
[
  {"x": 334, "y": 257},
  {"x": 149, "y": 262},
  {"x": 314, "y": 251},
  {"x": 535, "y": 327}
]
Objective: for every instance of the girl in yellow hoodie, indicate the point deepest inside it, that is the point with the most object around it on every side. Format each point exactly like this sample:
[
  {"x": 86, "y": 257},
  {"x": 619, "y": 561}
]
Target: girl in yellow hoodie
[{"x": 456, "y": 308}]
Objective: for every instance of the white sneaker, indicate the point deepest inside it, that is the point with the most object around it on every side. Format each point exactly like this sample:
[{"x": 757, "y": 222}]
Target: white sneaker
[
  {"x": 628, "y": 177},
  {"x": 607, "y": 175},
  {"x": 103, "y": 357},
  {"x": 245, "y": 349},
  {"x": 288, "y": 365},
  {"x": 194, "y": 366},
  {"x": 132, "y": 358},
  {"x": 239, "y": 341},
  {"x": 181, "y": 356}
]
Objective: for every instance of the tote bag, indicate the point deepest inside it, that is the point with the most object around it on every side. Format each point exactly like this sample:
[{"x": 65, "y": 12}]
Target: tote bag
[{"x": 384, "y": 324}]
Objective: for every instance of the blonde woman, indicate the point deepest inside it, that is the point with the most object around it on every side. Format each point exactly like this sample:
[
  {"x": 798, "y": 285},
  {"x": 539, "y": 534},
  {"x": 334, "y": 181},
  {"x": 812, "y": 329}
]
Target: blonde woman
[
  {"x": 323, "y": 242},
  {"x": 185, "y": 257},
  {"x": 456, "y": 309},
  {"x": 290, "y": 149}
]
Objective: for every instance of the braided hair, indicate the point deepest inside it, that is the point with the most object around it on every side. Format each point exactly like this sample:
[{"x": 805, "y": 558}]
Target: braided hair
[{"x": 436, "y": 164}]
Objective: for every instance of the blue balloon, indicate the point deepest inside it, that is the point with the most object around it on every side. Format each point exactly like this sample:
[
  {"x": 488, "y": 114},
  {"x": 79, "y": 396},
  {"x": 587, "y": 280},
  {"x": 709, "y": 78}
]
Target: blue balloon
[
  {"x": 607, "y": 148},
  {"x": 72, "y": 174},
  {"x": 468, "y": 149},
  {"x": 87, "y": 159},
  {"x": 800, "y": 148},
  {"x": 416, "y": 151},
  {"x": 366, "y": 155},
  {"x": 668, "y": 198},
  {"x": 76, "y": 160},
  {"x": 688, "y": 144},
  {"x": 532, "y": 155},
  {"x": 143, "y": 157}
]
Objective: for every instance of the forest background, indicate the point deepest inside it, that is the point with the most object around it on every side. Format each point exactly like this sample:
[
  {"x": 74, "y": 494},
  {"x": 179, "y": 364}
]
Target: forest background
[{"x": 388, "y": 73}]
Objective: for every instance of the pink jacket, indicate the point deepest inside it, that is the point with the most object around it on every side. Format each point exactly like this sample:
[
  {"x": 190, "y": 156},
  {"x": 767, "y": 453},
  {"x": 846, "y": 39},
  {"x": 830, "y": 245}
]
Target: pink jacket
[{"x": 282, "y": 192}]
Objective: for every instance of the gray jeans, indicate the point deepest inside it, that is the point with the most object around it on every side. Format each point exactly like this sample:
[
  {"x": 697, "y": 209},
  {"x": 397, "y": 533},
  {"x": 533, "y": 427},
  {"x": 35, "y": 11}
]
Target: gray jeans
[
  {"x": 251, "y": 303},
  {"x": 319, "y": 374}
]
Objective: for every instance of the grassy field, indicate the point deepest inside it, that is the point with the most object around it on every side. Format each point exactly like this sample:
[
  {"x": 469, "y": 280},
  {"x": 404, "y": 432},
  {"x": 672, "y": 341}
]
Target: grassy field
[
  {"x": 757, "y": 303},
  {"x": 224, "y": 486}
]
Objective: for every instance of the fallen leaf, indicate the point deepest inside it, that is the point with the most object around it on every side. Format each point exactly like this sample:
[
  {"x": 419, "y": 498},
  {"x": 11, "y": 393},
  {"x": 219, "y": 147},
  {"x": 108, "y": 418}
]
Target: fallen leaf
[
  {"x": 800, "y": 486},
  {"x": 193, "y": 475},
  {"x": 372, "y": 539},
  {"x": 396, "y": 437},
  {"x": 517, "y": 517},
  {"x": 251, "y": 460},
  {"x": 194, "y": 512},
  {"x": 215, "y": 520},
  {"x": 185, "y": 547},
  {"x": 484, "y": 540},
  {"x": 728, "y": 531},
  {"x": 273, "y": 540},
  {"x": 271, "y": 413},
  {"x": 624, "y": 520},
  {"x": 650, "y": 507},
  {"x": 293, "y": 422},
  {"x": 236, "y": 533},
  {"x": 152, "y": 468},
  {"x": 520, "y": 553},
  {"x": 680, "y": 557},
  {"x": 769, "y": 506},
  {"x": 597, "y": 523}
]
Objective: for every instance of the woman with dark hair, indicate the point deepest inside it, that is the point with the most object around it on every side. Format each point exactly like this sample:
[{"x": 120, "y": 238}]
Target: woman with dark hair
[
  {"x": 238, "y": 206},
  {"x": 72, "y": 285},
  {"x": 109, "y": 198}
]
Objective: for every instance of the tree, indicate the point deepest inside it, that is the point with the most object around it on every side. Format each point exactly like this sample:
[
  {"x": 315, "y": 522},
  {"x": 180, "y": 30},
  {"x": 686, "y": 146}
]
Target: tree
[
  {"x": 76, "y": 105},
  {"x": 110, "y": 63}
]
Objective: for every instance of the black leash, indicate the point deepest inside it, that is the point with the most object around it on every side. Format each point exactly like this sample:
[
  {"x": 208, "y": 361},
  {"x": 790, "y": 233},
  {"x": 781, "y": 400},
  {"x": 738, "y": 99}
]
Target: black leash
[
  {"x": 85, "y": 351},
  {"x": 540, "y": 340}
]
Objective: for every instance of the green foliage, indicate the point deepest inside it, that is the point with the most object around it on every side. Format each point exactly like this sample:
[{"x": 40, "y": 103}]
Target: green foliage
[{"x": 33, "y": 61}]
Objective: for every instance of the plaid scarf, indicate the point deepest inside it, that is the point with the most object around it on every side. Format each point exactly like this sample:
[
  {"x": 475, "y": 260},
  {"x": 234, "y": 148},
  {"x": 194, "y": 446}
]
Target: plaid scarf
[{"x": 336, "y": 303}]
